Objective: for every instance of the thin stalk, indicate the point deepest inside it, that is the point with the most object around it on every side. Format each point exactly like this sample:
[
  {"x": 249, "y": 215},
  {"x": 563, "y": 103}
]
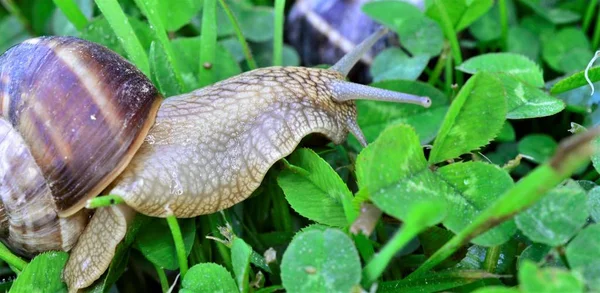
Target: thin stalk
[
  {"x": 448, "y": 75},
  {"x": 70, "y": 9},
  {"x": 450, "y": 33},
  {"x": 179, "y": 245},
  {"x": 503, "y": 22},
  {"x": 223, "y": 250},
  {"x": 278, "y": 34},
  {"x": 439, "y": 65},
  {"x": 13, "y": 260},
  {"x": 570, "y": 156},
  {"x": 491, "y": 259},
  {"x": 162, "y": 277},
  {"x": 589, "y": 14},
  {"x": 596, "y": 38},
  {"x": 238, "y": 32},
  {"x": 379, "y": 262},
  {"x": 120, "y": 24},
  {"x": 151, "y": 11},
  {"x": 208, "y": 38},
  {"x": 15, "y": 11},
  {"x": 104, "y": 201}
]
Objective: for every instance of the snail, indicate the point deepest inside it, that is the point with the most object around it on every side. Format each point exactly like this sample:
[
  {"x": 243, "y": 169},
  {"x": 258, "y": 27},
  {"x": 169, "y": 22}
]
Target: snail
[
  {"x": 322, "y": 31},
  {"x": 78, "y": 119}
]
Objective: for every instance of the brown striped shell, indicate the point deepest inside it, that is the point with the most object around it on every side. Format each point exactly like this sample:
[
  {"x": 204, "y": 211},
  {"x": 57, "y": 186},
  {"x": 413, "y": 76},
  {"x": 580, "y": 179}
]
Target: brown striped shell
[{"x": 73, "y": 114}]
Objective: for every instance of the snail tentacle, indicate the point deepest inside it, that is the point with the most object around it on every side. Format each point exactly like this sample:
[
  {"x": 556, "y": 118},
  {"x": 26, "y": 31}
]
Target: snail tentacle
[
  {"x": 349, "y": 60},
  {"x": 348, "y": 91}
]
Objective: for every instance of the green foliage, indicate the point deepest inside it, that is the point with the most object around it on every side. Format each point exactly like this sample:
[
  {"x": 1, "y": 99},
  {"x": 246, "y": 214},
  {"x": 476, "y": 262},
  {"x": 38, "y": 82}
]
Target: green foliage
[
  {"x": 556, "y": 218},
  {"x": 314, "y": 190},
  {"x": 483, "y": 178},
  {"x": 208, "y": 277},
  {"x": 475, "y": 117},
  {"x": 320, "y": 261},
  {"x": 42, "y": 273}
]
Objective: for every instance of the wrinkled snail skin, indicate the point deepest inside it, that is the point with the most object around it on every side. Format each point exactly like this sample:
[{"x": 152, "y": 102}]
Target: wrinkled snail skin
[
  {"x": 211, "y": 148},
  {"x": 78, "y": 119}
]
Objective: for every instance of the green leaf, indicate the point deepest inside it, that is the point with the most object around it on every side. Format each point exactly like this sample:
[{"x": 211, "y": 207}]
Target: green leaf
[
  {"x": 567, "y": 51},
  {"x": 99, "y": 31},
  {"x": 120, "y": 24},
  {"x": 575, "y": 81},
  {"x": 461, "y": 12},
  {"x": 507, "y": 133},
  {"x": 557, "y": 217},
  {"x": 410, "y": 23},
  {"x": 593, "y": 203},
  {"x": 537, "y": 147},
  {"x": 533, "y": 279},
  {"x": 315, "y": 191},
  {"x": 393, "y": 63},
  {"x": 435, "y": 282},
  {"x": 485, "y": 29},
  {"x": 510, "y": 63},
  {"x": 476, "y": 186},
  {"x": 176, "y": 14},
  {"x": 496, "y": 289},
  {"x": 474, "y": 118},
  {"x": 555, "y": 15},
  {"x": 393, "y": 169},
  {"x": 256, "y": 22},
  {"x": 43, "y": 274},
  {"x": 320, "y": 261},
  {"x": 240, "y": 261},
  {"x": 187, "y": 59},
  {"x": 583, "y": 253},
  {"x": 376, "y": 116},
  {"x": 209, "y": 278},
  {"x": 156, "y": 243},
  {"x": 525, "y": 101},
  {"x": 540, "y": 254},
  {"x": 13, "y": 32},
  {"x": 163, "y": 73},
  {"x": 523, "y": 42}
]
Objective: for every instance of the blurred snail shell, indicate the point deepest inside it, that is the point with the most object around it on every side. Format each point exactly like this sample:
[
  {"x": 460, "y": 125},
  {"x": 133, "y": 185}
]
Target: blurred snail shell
[
  {"x": 322, "y": 31},
  {"x": 78, "y": 119}
]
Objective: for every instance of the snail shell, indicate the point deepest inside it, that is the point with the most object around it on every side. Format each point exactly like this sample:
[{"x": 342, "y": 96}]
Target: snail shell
[{"x": 73, "y": 115}]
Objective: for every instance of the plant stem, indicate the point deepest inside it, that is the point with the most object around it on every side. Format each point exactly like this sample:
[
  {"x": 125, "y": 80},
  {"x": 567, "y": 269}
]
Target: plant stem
[
  {"x": 572, "y": 153},
  {"x": 448, "y": 76},
  {"x": 503, "y": 22},
  {"x": 151, "y": 10},
  {"x": 491, "y": 259},
  {"x": 379, "y": 262},
  {"x": 13, "y": 260},
  {"x": 70, "y": 9},
  {"x": 450, "y": 33},
  {"x": 15, "y": 11},
  {"x": 120, "y": 24},
  {"x": 596, "y": 38},
  {"x": 439, "y": 65},
  {"x": 208, "y": 38},
  {"x": 278, "y": 34},
  {"x": 238, "y": 31},
  {"x": 179, "y": 245},
  {"x": 162, "y": 277},
  {"x": 104, "y": 201},
  {"x": 589, "y": 14}
]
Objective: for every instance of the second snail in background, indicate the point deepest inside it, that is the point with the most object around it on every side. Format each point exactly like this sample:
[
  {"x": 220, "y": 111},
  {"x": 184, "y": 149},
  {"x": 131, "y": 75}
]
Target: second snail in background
[{"x": 323, "y": 31}]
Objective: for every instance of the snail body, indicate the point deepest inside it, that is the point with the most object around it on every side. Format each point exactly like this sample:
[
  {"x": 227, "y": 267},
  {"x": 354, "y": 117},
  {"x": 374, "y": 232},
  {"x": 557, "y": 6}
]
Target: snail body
[{"x": 187, "y": 155}]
